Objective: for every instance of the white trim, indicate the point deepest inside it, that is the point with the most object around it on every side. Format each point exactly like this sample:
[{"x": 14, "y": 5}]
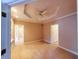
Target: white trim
[
  {"x": 46, "y": 41},
  {"x": 68, "y": 50},
  {"x": 70, "y": 14},
  {"x": 21, "y": 2},
  {"x": 58, "y": 18},
  {"x": 33, "y": 41}
]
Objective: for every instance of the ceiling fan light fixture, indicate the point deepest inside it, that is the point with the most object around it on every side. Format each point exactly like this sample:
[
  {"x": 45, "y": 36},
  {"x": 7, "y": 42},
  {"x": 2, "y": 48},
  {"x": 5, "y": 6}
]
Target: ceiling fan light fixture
[{"x": 43, "y": 13}]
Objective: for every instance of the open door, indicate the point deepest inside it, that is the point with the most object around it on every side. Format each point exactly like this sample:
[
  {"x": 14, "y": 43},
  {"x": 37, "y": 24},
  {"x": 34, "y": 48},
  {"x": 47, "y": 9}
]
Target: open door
[
  {"x": 6, "y": 25},
  {"x": 54, "y": 33},
  {"x": 5, "y": 32}
]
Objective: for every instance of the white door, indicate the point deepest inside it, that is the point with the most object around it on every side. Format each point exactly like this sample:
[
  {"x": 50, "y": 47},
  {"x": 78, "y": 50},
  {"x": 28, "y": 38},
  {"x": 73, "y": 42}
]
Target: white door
[
  {"x": 54, "y": 33},
  {"x": 5, "y": 31},
  {"x": 19, "y": 34}
]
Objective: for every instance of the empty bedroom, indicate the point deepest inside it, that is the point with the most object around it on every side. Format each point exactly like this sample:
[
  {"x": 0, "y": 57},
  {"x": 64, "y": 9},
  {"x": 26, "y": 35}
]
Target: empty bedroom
[{"x": 42, "y": 29}]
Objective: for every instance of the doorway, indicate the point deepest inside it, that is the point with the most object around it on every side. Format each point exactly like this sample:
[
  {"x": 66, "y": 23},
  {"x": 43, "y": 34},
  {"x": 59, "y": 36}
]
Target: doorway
[
  {"x": 19, "y": 34},
  {"x": 54, "y": 34}
]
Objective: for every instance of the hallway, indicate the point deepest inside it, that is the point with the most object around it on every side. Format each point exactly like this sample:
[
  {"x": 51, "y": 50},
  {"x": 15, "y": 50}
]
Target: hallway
[{"x": 40, "y": 50}]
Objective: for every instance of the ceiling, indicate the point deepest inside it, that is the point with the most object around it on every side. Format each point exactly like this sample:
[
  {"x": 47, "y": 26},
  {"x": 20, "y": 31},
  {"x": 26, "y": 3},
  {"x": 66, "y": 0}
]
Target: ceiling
[
  {"x": 53, "y": 9},
  {"x": 15, "y": 2}
]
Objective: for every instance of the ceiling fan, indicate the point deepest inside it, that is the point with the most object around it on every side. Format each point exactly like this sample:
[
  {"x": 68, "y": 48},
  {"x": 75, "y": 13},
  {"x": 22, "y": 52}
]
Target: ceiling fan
[
  {"x": 43, "y": 12},
  {"x": 40, "y": 13}
]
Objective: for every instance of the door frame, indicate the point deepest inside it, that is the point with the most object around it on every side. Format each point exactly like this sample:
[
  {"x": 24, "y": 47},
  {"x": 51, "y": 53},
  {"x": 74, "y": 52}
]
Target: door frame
[
  {"x": 6, "y": 26},
  {"x": 54, "y": 27},
  {"x": 21, "y": 39}
]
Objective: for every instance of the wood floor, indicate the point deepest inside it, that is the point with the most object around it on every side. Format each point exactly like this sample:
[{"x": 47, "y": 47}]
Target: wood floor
[{"x": 40, "y": 50}]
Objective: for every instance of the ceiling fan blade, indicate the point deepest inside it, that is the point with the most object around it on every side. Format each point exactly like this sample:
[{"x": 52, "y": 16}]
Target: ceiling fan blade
[{"x": 42, "y": 13}]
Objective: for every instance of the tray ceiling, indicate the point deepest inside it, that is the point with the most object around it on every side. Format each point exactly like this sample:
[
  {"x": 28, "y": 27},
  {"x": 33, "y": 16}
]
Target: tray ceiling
[{"x": 43, "y": 10}]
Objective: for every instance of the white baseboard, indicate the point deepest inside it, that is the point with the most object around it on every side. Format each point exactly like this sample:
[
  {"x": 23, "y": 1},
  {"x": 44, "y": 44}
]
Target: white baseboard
[
  {"x": 46, "y": 41},
  {"x": 33, "y": 41},
  {"x": 68, "y": 50}
]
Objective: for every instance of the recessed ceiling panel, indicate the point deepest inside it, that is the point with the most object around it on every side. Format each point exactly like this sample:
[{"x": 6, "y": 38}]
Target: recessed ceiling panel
[{"x": 43, "y": 10}]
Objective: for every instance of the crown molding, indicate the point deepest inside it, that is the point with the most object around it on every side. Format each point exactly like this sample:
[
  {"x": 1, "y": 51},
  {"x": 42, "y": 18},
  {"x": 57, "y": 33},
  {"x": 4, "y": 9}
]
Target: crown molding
[
  {"x": 59, "y": 18},
  {"x": 21, "y": 2},
  {"x": 70, "y": 14}
]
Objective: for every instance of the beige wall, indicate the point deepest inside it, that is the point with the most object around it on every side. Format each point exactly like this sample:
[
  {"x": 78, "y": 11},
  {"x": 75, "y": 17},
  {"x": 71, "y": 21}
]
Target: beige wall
[
  {"x": 32, "y": 31},
  {"x": 67, "y": 32},
  {"x": 46, "y": 31}
]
